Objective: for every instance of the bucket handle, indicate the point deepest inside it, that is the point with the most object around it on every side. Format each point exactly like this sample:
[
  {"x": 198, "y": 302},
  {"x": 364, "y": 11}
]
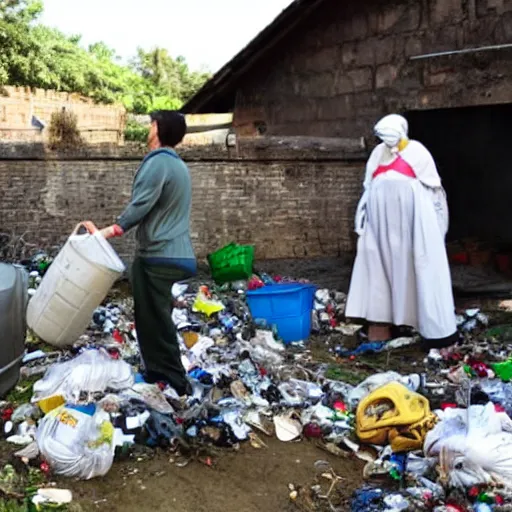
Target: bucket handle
[{"x": 88, "y": 225}]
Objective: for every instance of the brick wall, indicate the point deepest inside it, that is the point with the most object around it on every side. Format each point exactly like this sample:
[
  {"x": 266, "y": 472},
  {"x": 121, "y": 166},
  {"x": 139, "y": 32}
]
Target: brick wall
[
  {"x": 97, "y": 123},
  {"x": 349, "y": 64},
  {"x": 287, "y": 204}
]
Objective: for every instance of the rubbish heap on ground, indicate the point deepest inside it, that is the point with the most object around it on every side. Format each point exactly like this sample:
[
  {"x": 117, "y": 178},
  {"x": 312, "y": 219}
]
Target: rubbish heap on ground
[{"x": 438, "y": 441}]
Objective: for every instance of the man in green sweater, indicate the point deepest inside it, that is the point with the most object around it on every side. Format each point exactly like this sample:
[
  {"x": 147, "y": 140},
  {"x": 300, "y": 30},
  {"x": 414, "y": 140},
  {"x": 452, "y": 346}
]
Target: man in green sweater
[{"x": 160, "y": 208}]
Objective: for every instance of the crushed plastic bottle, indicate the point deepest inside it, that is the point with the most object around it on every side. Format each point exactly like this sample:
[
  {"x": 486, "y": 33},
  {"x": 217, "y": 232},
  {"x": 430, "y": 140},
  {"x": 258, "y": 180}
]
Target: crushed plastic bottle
[
  {"x": 498, "y": 392},
  {"x": 482, "y": 507},
  {"x": 396, "y": 502}
]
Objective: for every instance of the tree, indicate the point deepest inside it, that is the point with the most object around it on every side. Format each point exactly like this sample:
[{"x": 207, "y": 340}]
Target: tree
[
  {"x": 35, "y": 55},
  {"x": 20, "y": 11},
  {"x": 171, "y": 77}
]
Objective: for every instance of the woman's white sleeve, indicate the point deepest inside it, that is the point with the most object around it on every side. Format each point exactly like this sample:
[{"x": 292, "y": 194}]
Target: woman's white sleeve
[
  {"x": 360, "y": 220},
  {"x": 441, "y": 208}
]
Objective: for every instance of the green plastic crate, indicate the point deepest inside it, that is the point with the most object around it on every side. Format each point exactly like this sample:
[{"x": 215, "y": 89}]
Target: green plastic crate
[{"x": 231, "y": 263}]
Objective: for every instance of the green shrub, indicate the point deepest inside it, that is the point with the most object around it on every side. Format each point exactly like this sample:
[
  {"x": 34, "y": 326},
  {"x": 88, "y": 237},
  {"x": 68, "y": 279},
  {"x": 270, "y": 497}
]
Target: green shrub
[{"x": 135, "y": 132}]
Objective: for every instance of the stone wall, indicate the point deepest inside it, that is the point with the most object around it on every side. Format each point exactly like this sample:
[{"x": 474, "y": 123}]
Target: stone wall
[
  {"x": 351, "y": 62},
  {"x": 288, "y": 202},
  {"x": 97, "y": 123}
]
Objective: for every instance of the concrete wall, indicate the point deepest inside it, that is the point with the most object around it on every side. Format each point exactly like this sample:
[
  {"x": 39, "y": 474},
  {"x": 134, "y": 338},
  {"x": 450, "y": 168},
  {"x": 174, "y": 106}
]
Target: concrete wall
[
  {"x": 350, "y": 62},
  {"x": 288, "y": 203},
  {"x": 97, "y": 123}
]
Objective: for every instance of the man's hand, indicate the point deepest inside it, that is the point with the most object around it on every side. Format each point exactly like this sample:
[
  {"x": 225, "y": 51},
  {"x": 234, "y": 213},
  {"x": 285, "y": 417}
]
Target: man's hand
[{"x": 112, "y": 231}]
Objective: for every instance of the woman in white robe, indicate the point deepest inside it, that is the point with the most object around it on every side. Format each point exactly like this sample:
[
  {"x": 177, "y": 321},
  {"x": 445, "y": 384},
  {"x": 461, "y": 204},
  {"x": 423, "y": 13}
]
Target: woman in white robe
[{"x": 401, "y": 274}]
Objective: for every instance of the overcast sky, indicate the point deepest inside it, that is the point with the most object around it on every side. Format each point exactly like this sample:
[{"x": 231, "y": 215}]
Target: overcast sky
[{"x": 206, "y": 32}]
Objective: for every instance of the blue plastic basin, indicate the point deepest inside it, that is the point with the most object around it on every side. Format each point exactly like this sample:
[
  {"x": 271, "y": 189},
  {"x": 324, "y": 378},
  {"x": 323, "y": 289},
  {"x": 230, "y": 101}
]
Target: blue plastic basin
[{"x": 287, "y": 306}]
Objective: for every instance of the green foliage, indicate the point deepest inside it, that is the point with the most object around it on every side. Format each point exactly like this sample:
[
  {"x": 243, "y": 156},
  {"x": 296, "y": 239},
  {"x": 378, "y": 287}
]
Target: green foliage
[
  {"x": 25, "y": 11},
  {"x": 135, "y": 132},
  {"x": 171, "y": 77},
  {"x": 23, "y": 392},
  {"x": 13, "y": 506},
  {"x": 35, "y": 55}
]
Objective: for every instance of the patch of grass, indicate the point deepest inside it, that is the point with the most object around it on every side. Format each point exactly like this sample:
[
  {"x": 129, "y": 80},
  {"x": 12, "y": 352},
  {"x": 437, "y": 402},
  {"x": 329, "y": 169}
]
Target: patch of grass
[
  {"x": 501, "y": 332},
  {"x": 35, "y": 343},
  {"x": 13, "y": 506},
  {"x": 339, "y": 373},
  {"x": 23, "y": 391},
  {"x": 26, "y": 506}
]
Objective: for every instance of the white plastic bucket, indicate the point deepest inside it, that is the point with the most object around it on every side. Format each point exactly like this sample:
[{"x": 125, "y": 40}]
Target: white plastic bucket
[{"x": 73, "y": 287}]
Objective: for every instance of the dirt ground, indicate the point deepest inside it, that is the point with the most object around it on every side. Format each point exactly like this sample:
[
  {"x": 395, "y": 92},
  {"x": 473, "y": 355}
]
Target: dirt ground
[{"x": 249, "y": 481}]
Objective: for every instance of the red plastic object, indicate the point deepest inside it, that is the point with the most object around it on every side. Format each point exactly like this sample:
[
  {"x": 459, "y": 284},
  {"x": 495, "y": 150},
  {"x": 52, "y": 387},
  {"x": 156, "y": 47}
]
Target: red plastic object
[
  {"x": 255, "y": 283},
  {"x": 205, "y": 291},
  {"x": 7, "y": 413},
  {"x": 480, "y": 369},
  {"x": 474, "y": 492},
  {"x": 503, "y": 263},
  {"x": 340, "y": 406},
  {"x": 117, "y": 336},
  {"x": 312, "y": 431},
  {"x": 448, "y": 406},
  {"x": 455, "y": 508},
  {"x": 462, "y": 258}
]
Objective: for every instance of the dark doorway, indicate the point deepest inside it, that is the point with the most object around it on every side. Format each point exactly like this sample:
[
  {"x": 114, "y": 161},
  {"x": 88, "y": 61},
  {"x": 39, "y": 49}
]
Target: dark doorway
[{"x": 472, "y": 149}]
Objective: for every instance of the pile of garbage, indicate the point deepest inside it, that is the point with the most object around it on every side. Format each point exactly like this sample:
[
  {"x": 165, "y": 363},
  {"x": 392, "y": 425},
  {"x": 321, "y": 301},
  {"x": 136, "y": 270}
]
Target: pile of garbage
[
  {"x": 453, "y": 458},
  {"x": 91, "y": 403},
  {"x": 436, "y": 440}
]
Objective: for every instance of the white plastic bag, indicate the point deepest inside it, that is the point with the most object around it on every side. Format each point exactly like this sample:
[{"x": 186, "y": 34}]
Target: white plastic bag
[
  {"x": 90, "y": 372},
  {"x": 77, "y": 442},
  {"x": 479, "y": 421},
  {"x": 197, "y": 352},
  {"x": 473, "y": 446},
  {"x": 151, "y": 395}
]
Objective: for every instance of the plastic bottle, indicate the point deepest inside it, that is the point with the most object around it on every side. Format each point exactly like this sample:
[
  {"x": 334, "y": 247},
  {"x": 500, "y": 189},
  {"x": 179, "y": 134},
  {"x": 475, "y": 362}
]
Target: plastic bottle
[
  {"x": 266, "y": 279},
  {"x": 482, "y": 507},
  {"x": 498, "y": 392}
]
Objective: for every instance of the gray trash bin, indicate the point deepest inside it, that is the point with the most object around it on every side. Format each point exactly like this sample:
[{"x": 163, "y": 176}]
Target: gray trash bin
[{"x": 13, "y": 306}]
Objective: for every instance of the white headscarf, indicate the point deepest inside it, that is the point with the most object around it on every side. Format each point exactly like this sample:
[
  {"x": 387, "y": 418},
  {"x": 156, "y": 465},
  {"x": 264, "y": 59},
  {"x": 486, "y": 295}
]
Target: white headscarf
[{"x": 391, "y": 130}]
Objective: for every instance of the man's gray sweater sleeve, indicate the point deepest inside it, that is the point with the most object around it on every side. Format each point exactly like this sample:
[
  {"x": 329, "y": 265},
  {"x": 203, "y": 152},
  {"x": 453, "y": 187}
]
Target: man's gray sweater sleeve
[{"x": 147, "y": 188}]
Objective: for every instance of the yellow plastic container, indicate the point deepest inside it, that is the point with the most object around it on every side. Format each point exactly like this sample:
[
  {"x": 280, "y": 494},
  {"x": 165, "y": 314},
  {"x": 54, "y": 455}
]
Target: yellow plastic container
[
  {"x": 392, "y": 405},
  {"x": 49, "y": 404}
]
